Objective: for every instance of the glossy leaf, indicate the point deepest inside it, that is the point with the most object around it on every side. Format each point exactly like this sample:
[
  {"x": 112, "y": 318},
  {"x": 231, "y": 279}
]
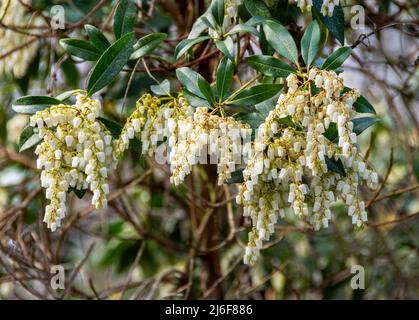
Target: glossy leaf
[
  {"x": 256, "y": 94},
  {"x": 225, "y": 73},
  {"x": 257, "y": 8},
  {"x": 361, "y": 124},
  {"x": 189, "y": 79},
  {"x": 281, "y": 40},
  {"x": 186, "y": 44},
  {"x": 236, "y": 177},
  {"x": 97, "y": 38},
  {"x": 217, "y": 10},
  {"x": 162, "y": 89},
  {"x": 124, "y": 18},
  {"x": 110, "y": 63},
  {"x": 310, "y": 42},
  {"x": 337, "y": 58},
  {"x": 33, "y": 104},
  {"x": 335, "y": 166},
  {"x": 226, "y": 46},
  {"x": 335, "y": 24},
  {"x": 194, "y": 100},
  {"x": 147, "y": 44},
  {"x": 80, "y": 48},
  {"x": 270, "y": 66},
  {"x": 28, "y": 138}
]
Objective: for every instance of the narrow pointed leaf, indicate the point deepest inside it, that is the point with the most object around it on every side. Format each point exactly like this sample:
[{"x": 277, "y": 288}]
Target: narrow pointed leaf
[
  {"x": 33, "y": 104},
  {"x": 147, "y": 44},
  {"x": 281, "y": 40},
  {"x": 337, "y": 58},
  {"x": 186, "y": 44},
  {"x": 97, "y": 38},
  {"x": 125, "y": 18},
  {"x": 270, "y": 66},
  {"x": 80, "y": 48},
  {"x": 256, "y": 94},
  {"x": 361, "y": 124},
  {"x": 217, "y": 10},
  {"x": 225, "y": 73},
  {"x": 28, "y": 138},
  {"x": 110, "y": 63},
  {"x": 190, "y": 79},
  {"x": 335, "y": 166},
  {"x": 310, "y": 42}
]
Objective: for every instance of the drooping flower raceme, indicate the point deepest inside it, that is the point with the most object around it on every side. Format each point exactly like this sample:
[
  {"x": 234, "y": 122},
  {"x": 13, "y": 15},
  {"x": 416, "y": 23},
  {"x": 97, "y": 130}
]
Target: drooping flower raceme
[
  {"x": 327, "y": 8},
  {"x": 16, "y": 61},
  {"x": 77, "y": 152},
  {"x": 191, "y": 136},
  {"x": 208, "y": 135},
  {"x": 289, "y": 167}
]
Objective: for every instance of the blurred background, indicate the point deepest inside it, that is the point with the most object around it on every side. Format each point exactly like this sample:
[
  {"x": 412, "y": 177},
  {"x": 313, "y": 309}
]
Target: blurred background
[{"x": 157, "y": 241}]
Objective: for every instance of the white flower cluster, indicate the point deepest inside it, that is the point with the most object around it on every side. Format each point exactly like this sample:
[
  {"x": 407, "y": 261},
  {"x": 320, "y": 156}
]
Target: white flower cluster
[
  {"x": 231, "y": 8},
  {"x": 207, "y": 134},
  {"x": 191, "y": 136},
  {"x": 17, "y": 61},
  {"x": 289, "y": 167},
  {"x": 328, "y": 6},
  {"x": 304, "y": 5},
  {"x": 77, "y": 152}
]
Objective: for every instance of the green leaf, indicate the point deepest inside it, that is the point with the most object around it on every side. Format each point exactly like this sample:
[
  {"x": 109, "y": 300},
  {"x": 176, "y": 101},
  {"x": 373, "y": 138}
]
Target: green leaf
[
  {"x": 67, "y": 94},
  {"x": 310, "y": 42},
  {"x": 115, "y": 130},
  {"x": 281, "y": 40},
  {"x": 217, "y": 10},
  {"x": 335, "y": 166},
  {"x": 186, "y": 44},
  {"x": 33, "y": 104},
  {"x": 163, "y": 89},
  {"x": 335, "y": 24},
  {"x": 147, "y": 44},
  {"x": 257, "y": 8},
  {"x": 332, "y": 132},
  {"x": 80, "y": 48},
  {"x": 199, "y": 26},
  {"x": 226, "y": 46},
  {"x": 270, "y": 66},
  {"x": 225, "y": 73},
  {"x": 124, "y": 18},
  {"x": 361, "y": 124},
  {"x": 243, "y": 28},
  {"x": 194, "y": 100},
  {"x": 189, "y": 80},
  {"x": 362, "y": 105},
  {"x": 71, "y": 73},
  {"x": 236, "y": 177},
  {"x": 97, "y": 38},
  {"x": 337, "y": 58},
  {"x": 256, "y": 94},
  {"x": 78, "y": 192},
  {"x": 28, "y": 138},
  {"x": 110, "y": 63},
  {"x": 206, "y": 90},
  {"x": 254, "y": 119}
]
